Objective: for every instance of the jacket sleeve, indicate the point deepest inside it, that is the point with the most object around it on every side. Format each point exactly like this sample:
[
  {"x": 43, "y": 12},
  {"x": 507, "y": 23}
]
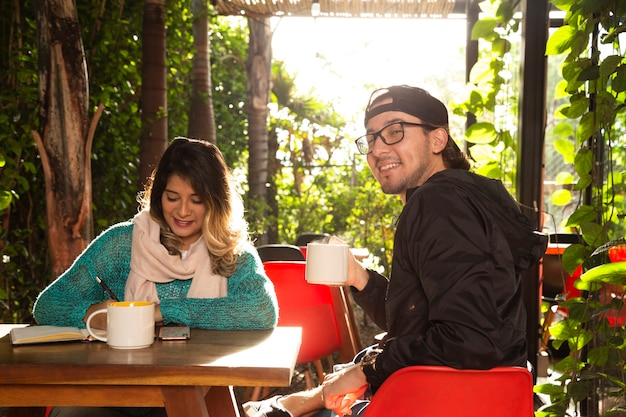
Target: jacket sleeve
[
  {"x": 250, "y": 304},
  {"x": 372, "y": 298}
]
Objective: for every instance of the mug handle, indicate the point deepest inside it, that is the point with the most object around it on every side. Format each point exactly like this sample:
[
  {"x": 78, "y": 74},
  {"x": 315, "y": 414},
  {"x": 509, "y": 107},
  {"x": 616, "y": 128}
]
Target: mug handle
[{"x": 92, "y": 315}]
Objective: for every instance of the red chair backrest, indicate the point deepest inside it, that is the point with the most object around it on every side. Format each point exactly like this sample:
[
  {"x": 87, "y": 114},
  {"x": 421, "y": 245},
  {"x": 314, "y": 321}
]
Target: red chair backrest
[
  {"x": 305, "y": 305},
  {"x": 428, "y": 391}
]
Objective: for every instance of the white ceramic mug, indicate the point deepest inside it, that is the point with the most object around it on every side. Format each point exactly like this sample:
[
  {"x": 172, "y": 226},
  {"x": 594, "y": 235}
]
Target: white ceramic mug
[
  {"x": 130, "y": 324},
  {"x": 327, "y": 263}
]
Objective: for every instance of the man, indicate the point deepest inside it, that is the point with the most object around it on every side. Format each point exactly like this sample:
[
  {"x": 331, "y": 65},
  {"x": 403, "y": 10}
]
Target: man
[{"x": 454, "y": 297}]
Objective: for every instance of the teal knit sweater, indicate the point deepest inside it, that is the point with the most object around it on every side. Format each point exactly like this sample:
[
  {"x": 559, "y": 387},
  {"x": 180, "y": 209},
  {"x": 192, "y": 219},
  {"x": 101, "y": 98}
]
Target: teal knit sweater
[{"x": 250, "y": 304}]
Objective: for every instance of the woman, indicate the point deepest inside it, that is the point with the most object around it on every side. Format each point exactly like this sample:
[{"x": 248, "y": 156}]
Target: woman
[
  {"x": 187, "y": 250},
  {"x": 190, "y": 254}
]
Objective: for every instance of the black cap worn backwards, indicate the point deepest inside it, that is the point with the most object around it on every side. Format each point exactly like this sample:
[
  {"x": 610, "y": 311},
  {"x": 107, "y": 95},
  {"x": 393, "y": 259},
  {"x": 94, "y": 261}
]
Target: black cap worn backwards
[{"x": 410, "y": 100}]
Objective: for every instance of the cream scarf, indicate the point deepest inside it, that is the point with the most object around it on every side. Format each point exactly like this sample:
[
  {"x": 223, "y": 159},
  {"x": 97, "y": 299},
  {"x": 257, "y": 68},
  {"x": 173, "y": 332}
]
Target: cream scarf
[{"x": 151, "y": 263}]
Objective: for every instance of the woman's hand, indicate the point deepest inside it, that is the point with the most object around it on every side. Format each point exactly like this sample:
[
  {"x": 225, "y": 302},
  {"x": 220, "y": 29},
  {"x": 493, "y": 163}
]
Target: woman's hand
[
  {"x": 341, "y": 389},
  {"x": 357, "y": 274},
  {"x": 158, "y": 317},
  {"x": 99, "y": 321}
]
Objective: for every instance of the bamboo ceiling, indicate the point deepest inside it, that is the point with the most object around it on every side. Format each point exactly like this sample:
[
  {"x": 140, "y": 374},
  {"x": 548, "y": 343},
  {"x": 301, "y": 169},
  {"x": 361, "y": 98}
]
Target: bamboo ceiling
[{"x": 343, "y": 8}]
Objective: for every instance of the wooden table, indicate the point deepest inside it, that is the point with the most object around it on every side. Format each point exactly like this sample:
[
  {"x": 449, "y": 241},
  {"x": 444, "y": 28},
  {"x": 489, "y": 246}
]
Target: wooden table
[{"x": 189, "y": 378}]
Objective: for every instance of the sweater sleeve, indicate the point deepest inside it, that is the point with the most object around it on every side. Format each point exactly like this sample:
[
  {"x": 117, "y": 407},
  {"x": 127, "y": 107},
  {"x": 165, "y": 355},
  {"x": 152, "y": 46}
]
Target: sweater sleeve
[
  {"x": 250, "y": 304},
  {"x": 65, "y": 301}
]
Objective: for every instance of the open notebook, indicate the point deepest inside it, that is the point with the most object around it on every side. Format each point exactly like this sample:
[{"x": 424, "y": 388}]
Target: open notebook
[{"x": 47, "y": 334}]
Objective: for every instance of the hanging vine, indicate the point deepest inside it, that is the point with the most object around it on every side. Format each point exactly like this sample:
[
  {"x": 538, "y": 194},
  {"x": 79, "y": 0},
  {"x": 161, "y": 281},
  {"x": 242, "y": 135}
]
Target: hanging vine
[{"x": 591, "y": 379}]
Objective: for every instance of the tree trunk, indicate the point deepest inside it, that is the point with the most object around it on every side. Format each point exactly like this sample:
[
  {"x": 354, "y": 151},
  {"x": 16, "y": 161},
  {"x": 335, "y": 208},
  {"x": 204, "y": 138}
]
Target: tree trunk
[
  {"x": 62, "y": 139},
  {"x": 258, "y": 93},
  {"x": 201, "y": 118},
  {"x": 154, "y": 91},
  {"x": 273, "y": 167}
]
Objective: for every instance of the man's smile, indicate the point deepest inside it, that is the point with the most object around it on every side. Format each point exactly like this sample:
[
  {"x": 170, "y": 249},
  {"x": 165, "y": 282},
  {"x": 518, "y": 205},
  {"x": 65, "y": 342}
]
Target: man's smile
[{"x": 387, "y": 165}]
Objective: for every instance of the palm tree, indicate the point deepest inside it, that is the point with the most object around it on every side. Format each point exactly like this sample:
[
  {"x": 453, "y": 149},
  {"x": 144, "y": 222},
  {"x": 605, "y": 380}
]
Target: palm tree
[
  {"x": 154, "y": 91},
  {"x": 201, "y": 117},
  {"x": 258, "y": 69}
]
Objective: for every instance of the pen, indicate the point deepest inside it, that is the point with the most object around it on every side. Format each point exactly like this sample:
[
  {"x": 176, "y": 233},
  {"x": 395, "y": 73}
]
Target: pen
[{"x": 107, "y": 289}]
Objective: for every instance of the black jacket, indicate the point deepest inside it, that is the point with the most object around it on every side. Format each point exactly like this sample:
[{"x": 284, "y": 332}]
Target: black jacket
[{"x": 454, "y": 297}]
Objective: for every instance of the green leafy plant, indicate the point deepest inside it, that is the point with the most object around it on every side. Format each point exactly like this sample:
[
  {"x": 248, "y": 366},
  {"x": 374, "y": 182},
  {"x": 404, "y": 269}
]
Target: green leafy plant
[
  {"x": 319, "y": 182},
  {"x": 22, "y": 261},
  {"x": 491, "y": 96},
  {"x": 591, "y": 378}
]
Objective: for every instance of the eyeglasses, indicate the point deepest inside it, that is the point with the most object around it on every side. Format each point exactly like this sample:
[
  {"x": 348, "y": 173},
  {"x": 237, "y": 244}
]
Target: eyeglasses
[{"x": 390, "y": 134}]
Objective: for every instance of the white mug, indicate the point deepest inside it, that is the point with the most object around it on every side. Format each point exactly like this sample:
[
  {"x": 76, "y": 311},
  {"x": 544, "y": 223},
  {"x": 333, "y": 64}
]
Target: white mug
[
  {"x": 130, "y": 324},
  {"x": 327, "y": 263}
]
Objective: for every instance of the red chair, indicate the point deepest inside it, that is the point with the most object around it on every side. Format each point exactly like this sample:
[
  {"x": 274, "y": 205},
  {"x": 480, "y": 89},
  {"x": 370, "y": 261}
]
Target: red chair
[
  {"x": 320, "y": 310},
  {"x": 279, "y": 252},
  {"x": 441, "y": 391}
]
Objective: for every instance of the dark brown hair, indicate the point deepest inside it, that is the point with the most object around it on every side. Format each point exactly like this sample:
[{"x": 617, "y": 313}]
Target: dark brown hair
[{"x": 224, "y": 229}]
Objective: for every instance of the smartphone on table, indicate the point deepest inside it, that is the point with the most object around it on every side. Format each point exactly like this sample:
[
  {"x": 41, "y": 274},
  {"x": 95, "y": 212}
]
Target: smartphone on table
[{"x": 174, "y": 333}]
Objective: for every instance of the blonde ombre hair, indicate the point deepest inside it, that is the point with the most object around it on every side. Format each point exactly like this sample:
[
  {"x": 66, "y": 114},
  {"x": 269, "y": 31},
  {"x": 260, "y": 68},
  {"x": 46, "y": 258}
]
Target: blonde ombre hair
[{"x": 224, "y": 229}]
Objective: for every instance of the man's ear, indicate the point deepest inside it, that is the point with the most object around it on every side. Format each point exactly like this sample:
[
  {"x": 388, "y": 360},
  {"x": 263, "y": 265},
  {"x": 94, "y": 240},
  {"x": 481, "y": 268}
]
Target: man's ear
[{"x": 440, "y": 140}]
